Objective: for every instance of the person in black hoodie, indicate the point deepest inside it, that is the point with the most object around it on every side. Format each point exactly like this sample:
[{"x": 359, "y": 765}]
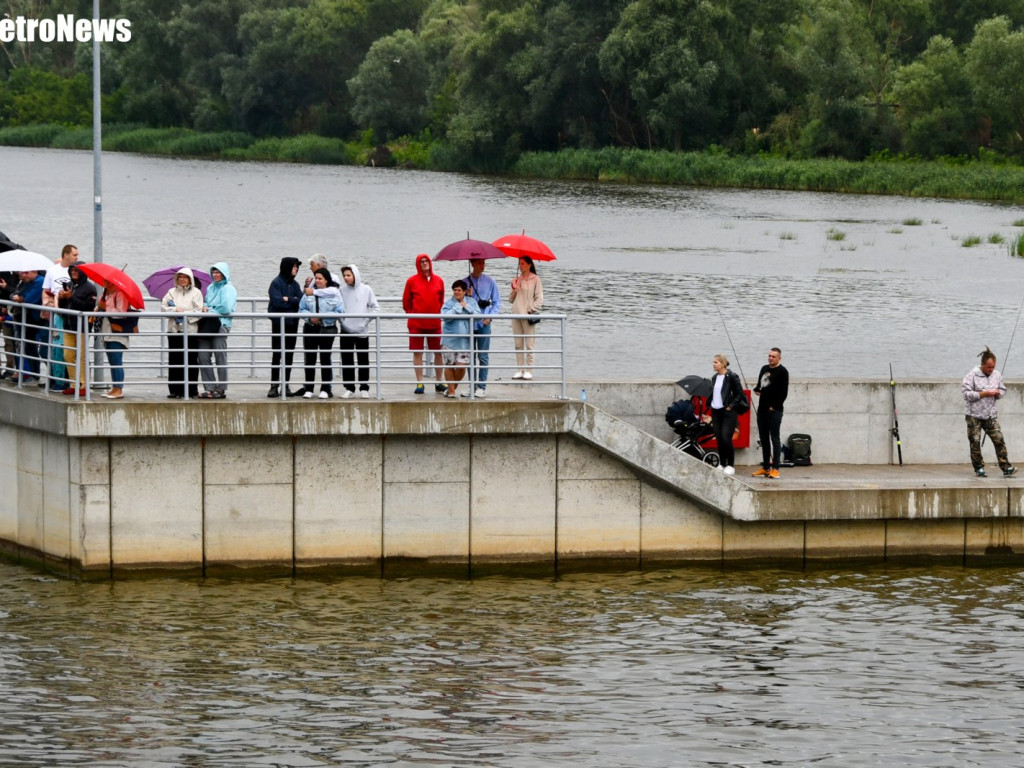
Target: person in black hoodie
[
  {"x": 79, "y": 295},
  {"x": 285, "y": 294}
]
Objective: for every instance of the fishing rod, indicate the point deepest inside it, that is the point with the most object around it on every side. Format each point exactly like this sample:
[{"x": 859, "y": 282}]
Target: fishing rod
[
  {"x": 735, "y": 356},
  {"x": 895, "y": 430},
  {"x": 1007, "y": 356}
]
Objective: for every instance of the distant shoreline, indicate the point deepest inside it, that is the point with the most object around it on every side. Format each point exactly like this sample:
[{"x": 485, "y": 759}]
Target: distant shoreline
[{"x": 955, "y": 178}]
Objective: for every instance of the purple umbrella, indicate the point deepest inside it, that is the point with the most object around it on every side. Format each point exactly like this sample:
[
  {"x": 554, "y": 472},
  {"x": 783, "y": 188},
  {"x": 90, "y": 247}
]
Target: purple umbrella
[
  {"x": 161, "y": 281},
  {"x": 464, "y": 250}
]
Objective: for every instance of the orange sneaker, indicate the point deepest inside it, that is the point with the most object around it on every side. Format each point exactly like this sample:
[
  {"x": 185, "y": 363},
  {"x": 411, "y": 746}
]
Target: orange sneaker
[
  {"x": 774, "y": 474},
  {"x": 760, "y": 473}
]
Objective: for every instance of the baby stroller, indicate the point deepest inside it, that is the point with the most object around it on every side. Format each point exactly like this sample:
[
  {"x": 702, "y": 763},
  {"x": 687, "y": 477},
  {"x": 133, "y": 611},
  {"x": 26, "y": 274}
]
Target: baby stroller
[{"x": 694, "y": 436}]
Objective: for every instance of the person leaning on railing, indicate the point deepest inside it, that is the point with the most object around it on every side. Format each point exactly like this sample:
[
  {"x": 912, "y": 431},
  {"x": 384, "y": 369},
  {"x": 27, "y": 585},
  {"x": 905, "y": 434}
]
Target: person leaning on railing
[{"x": 184, "y": 296}]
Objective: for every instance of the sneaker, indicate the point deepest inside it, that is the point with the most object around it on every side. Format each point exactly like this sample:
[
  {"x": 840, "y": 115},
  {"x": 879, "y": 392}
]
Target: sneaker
[
  {"x": 307, "y": 395},
  {"x": 480, "y": 392},
  {"x": 418, "y": 390},
  {"x": 980, "y": 472},
  {"x": 729, "y": 471},
  {"x": 760, "y": 473},
  {"x": 274, "y": 391},
  {"x": 1009, "y": 471},
  {"x": 365, "y": 394},
  {"x": 527, "y": 375},
  {"x": 517, "y": 375},
  {"x": 295, "y": 392},
  {"x": 440, "y": 389},
  {"x": 325, "y": 395},
  {"x": 349, "y": 393},
  {"x": 774, "y": 474},
  {"x": 465, "y": 394}
]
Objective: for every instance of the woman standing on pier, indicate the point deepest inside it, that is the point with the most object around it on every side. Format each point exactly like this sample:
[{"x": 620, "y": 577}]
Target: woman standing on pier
[
  {"x": 183, "y": 297},
  {"x": 318, "y": 332},
  {"x": 727, "y": 397},
  {"x": 526, "y": 298}
]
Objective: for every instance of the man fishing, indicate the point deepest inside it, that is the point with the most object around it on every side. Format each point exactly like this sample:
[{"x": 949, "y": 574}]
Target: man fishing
[
  {"x": 772, "y": 388},
  {"x": 982, "y": 388}
]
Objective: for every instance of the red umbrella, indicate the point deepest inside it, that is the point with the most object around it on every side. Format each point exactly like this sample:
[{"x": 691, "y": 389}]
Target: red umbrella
[
  {"x": 103, "y": 273},
  {"x": 524, "y": 245},
  {"x": 464, "y": 250}
]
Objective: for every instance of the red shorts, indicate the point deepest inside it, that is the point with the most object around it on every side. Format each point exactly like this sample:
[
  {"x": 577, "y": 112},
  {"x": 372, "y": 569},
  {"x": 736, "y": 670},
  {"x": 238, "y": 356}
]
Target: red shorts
[{"x": 432, "y": 337}]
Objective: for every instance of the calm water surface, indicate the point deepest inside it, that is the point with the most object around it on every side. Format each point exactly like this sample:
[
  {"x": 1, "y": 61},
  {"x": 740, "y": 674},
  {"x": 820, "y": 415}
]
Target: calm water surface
[
  {"x": 695, "y": 667},
  {"x": 651, "y": 276}
]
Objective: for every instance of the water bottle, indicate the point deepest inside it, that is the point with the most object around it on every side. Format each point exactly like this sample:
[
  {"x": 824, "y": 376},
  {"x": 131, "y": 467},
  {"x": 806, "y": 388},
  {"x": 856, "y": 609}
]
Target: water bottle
[
  {"x": 583, "y": 395},
  {"x": 177, "y": 320}
]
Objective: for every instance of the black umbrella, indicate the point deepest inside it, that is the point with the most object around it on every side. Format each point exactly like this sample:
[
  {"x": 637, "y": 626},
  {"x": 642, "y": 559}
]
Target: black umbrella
[
  {"x": 696, "y": 386},
  {"x": 6, "y": 244}
]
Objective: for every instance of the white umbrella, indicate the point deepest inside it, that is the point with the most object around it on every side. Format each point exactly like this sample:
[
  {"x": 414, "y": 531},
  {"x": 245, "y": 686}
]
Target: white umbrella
[{"x": 24, "y": 261}]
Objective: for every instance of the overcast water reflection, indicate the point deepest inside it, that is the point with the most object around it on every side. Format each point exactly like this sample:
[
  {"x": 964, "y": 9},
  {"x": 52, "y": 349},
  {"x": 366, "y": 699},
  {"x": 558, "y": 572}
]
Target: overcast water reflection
[{"x": 679, "y": 667}]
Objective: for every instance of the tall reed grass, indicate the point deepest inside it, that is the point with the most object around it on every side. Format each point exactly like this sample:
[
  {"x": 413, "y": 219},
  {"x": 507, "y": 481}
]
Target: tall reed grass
[{"x": 715, "y": 169}]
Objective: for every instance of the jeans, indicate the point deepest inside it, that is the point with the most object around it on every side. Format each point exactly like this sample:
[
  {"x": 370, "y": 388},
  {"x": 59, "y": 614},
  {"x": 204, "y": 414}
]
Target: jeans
[
  {"x": 318, "y": 343},
  {"x": 482, "y": 344},
  {"x": 724, "y": 422},
  {"x": 355, "y": 355},
  {"x": 769, "y": 425},
  {"x": 115, "y": 356},
  {"x": 285, "y": 346}
]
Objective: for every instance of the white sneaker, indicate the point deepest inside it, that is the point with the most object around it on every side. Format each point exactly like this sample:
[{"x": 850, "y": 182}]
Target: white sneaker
[
  {"x": 730, "y": 470},
  {"x": 346, "y": 394},
  {"x": 527, "y": 375},
  {"x": 324, "y": 396},
  {"x": 365, "y": 394},
  {"x": 517, "y": 375},
  {"x": 307, "y": 395},
  {"x": 479, "y": 392}
]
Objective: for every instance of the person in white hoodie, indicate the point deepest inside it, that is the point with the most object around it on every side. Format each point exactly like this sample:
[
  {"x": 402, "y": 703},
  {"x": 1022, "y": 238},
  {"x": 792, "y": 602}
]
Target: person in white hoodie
[
  {"x": 183, "y": 297},
  {"x": 358, "y": 299}
]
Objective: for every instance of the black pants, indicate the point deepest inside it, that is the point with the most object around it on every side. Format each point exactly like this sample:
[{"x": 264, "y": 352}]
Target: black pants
[
  {"x": 176, "y": 365},
  {"x": 724, "y": 421},
  {"x": 317, "y": 342},
  {"x": 285, "y": 345},
  {"x": 355, "y": 351},
  {"x": 769, "y": 426}
]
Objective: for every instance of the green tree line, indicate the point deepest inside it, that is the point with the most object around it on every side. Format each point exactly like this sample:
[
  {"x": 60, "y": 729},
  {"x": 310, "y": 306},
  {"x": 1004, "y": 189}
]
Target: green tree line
[{"x": 485, "y": 81}]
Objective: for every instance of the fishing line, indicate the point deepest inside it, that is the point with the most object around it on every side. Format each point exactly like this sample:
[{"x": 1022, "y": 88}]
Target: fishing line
[{"x": 1010, "y": 345}]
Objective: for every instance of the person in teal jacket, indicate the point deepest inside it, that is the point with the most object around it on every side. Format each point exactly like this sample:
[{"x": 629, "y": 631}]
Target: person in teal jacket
[{"x": 213, "y": 341}]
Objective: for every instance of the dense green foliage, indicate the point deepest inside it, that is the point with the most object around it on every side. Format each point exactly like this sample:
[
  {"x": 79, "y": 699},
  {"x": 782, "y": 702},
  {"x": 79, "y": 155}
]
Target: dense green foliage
[{"x": 488, "y": 84}]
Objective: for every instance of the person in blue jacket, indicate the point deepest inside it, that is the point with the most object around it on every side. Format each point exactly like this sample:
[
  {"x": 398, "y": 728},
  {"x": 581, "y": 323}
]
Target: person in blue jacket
[
  {"x": 455, "y": 344},
  {"x": 320, "y": 307},
  {"x": 213, "y": 342},
  {"x": 285, "y": 294},
  {"x": 29, "y": 291}
]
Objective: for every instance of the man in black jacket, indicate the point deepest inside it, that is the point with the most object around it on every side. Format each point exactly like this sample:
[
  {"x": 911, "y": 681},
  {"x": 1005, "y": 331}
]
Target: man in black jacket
[
  {"x": 773, "y": 388},
  {"x": 285, "y": 294}
]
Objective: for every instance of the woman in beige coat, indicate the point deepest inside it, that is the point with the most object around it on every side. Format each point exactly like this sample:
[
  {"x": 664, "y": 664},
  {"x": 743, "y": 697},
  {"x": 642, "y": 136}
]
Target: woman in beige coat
[
  {"x": 183, "y": 297},
  {"x": 526, "y": 298}
]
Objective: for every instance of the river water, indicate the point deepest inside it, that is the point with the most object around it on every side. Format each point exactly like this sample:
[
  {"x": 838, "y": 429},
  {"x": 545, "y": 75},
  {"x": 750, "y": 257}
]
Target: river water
[
  {"x": 655, "y": 280},
  {"x": 897, "y": 667},
  {"x": 872, "y": 667}
]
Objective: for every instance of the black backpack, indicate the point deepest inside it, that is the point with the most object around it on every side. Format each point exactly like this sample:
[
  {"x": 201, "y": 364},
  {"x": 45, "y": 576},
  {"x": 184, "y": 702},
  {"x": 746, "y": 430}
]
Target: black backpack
[{"x": 798, "y": 449}]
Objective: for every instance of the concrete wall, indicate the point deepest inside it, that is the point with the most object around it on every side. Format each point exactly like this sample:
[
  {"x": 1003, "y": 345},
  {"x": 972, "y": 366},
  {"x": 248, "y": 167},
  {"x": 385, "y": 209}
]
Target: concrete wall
[{"x": 102, "y": 489}]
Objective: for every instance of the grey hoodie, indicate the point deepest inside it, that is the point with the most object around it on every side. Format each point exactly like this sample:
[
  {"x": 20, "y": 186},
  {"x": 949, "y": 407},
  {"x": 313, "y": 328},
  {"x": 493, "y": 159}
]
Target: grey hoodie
[{"x": 358, "y": 300}]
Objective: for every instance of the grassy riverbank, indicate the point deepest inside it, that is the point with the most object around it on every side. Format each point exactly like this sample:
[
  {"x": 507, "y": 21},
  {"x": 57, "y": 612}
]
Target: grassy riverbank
[{"x": 957, "y": 179}]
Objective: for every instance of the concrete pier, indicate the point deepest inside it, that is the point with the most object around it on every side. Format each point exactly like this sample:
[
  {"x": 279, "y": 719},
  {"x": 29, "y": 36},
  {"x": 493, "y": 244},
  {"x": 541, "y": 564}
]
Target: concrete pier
[{"x": 521, "y": 481}]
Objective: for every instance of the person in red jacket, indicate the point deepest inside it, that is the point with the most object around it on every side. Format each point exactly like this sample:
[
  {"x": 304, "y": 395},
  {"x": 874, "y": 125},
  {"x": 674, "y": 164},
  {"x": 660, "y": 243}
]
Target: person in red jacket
[{"x": 424, "y": 294}]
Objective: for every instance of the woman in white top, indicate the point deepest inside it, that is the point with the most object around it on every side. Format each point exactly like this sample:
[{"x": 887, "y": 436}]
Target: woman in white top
[
  {"x": 726, "y": 398},
  {"x": 183, "y": 297}
]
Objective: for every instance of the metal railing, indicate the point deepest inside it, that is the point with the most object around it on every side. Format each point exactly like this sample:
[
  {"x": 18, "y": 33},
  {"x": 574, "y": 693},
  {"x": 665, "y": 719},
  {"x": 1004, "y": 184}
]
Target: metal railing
[{"x": 35, "y": 351}]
